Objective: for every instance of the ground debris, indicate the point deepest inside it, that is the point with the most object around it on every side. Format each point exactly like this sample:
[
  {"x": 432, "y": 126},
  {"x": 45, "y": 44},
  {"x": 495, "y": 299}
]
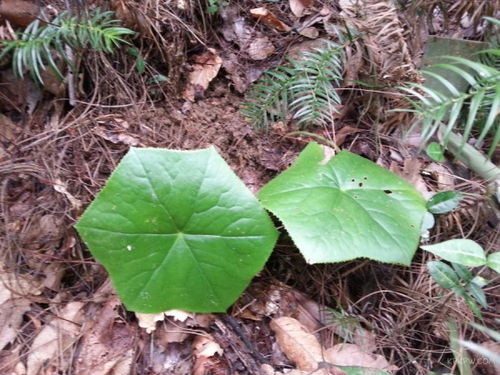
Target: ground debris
[
  {"x": 108, "y": 343},
  {"x": 52, "y": 348},
  {"x": 15, "y": 292},
  {"x": 205, "y": 68}
]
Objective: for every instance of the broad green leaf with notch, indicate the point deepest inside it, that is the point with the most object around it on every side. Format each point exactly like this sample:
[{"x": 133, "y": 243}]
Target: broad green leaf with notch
[
  {"x": 461, "y": 251},
  {"x": 444, "y": 202},
  {"x": 443, "y": 274},
  {"x": 345, "y": 208},
  {"x": 493, "y": 261},
  {"x": 177, "y": 230}
]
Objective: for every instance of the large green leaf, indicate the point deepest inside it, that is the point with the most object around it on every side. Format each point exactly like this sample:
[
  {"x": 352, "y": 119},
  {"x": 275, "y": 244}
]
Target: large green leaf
[
  {"x": 177, "y": 230},
  {"x": 345, "y": 208}
]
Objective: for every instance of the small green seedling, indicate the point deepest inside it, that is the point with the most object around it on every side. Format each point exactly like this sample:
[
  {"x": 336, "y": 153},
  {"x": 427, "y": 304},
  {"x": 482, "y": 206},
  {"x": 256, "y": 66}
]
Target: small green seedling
[{"x": 462, "y": 253}]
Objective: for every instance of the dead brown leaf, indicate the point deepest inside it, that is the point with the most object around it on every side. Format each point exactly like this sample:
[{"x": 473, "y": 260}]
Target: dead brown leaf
[
  {"x": 8, "y": 131},
  {"x": 299, "y": 7},
  {"x": 309, "y": 32},
  {"x": 260, "y": 48},
  {"x": 353, "y": 355},
  {"x": 355, "y": 58},
  {"x": 342, "y": 134},
  {"x": 411, "y": 173},
  {"x": 61, "y": 187},
  {"x": 116, "y": 137},
  {"x": 108, "y": 343},
  {"x": 55, "y": 339},
  {"x": 204, "y": 350},
  {"x": 300, "y": 346},
  {"x": 443, "y": 176},
  {"x": 269, "y": 19},
  {"x": 14, "y": 302},
  {"x": 148, "y": 321},
  {"x": 10, "y": 363},
  {"x": 19, "y": 12},
  {"x": 205, "y": 69}
]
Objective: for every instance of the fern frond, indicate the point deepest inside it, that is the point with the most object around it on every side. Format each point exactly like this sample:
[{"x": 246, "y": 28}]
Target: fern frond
[
  {"x": 462, "y": 112},
  {"x": 306, "y": 89},
  {"x": 314, "y": 95},
  {"x": 267, "y": 100},
  {"x": 36, "y": 46}
]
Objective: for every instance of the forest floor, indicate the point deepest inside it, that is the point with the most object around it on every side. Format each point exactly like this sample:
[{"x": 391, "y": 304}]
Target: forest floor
[{"x": 59, "y": 313}]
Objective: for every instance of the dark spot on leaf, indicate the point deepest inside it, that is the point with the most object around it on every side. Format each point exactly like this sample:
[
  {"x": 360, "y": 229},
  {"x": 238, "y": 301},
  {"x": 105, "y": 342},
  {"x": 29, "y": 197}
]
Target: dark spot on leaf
[
  {"x": 355, "y": 196},
  {"x": 412, "y": 226},
  {"x": 388, "y": 191},
  {"x": 365, "y": 178},
  {"x": 360, "y": 184},
  {"x": 352, "y": 180}
]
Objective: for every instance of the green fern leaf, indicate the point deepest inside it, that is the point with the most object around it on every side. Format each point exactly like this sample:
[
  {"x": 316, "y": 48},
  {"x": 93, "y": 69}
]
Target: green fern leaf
[
  {"x": 37, "y": 45},
  {"x": 306, "y": 89},
  {"x": 464, "y": 112}
]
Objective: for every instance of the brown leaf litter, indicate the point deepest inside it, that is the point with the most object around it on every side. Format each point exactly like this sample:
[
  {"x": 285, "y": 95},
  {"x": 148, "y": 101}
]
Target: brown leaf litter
[
  {"x": 204, "y": 70},
  {"x": 15, "y": 292},
  {"x": 305, "y": 351}
]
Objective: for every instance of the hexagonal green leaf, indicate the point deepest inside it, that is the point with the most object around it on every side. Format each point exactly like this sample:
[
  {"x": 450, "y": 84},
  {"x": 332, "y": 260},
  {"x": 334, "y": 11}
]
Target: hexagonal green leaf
[
  {"x": 177, "y": 230},
  {"x": 345, "y": 208}
]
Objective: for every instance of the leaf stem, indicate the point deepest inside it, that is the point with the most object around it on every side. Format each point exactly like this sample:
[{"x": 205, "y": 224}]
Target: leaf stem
[{"x": 318, "y": 137}]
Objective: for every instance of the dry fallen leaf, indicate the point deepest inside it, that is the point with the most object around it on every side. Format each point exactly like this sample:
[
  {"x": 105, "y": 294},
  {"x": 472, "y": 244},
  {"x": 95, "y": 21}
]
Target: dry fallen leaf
[
  {"x": 204, "y": 348},
  {"x": 299, "y": 7},
  {"x": 309, "y": 32},
  {"x": 444, "y": 177},
  {"x": 108, "y": 343},
  {"x": 205, "y": 69},
  {"x": 148, "y": 321},
  {"x": 10, "y": 362},
  {"x": 55, "y": 338},
  {"x": 179, "y": 315},
  {"x": 269, "y": 19},
  {"x": 353, "y": 355},
  {"x": 300, "y": 346},
  {"x": 8, "y": 131},
  {"x": 260, "y": 48},
  {"x": 116, "y": 137},
  {"x": 61, "y": 187},
  {"x": 14, "y": 302},
  {"x": 19, "y": 12}
]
